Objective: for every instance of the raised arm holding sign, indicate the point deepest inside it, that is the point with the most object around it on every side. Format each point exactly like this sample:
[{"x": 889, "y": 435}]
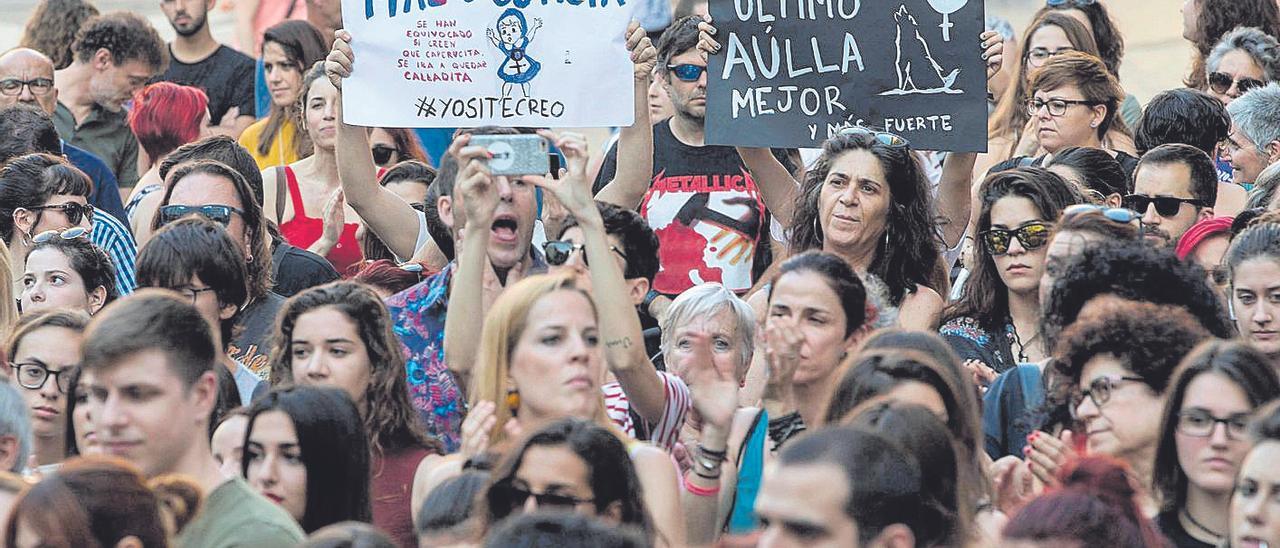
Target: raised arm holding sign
[
  {"x": 529, "y": 63},
  {"x": 794, "y": 72}
]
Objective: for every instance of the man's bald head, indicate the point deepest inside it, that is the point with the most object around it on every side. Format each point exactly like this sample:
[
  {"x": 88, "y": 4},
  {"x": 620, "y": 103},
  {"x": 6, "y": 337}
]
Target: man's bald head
[{"x": 26, "y": 65}]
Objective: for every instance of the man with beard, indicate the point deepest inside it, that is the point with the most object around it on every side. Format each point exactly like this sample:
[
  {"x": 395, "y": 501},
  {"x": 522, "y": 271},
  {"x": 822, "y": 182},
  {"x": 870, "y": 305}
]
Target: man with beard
[
  {"x": 224, "y": 74},
  {"x": 710, "y": 217},
  {"x": 115, "y": 55},
  {"x": 1175, "y": 186}
]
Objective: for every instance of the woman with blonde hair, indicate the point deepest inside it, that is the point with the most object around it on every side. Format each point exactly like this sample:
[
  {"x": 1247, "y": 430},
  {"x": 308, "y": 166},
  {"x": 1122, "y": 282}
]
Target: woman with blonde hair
[{"x": 541, "y": 359}]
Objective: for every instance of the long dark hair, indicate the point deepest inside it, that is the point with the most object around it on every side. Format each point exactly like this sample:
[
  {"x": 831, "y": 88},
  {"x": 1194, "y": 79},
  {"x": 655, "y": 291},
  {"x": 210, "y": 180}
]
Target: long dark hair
[
  {"x": 304, "y": 46},
  {"x": 909, "y": 255},
  {"x": 612, "y": 475},
  {"x": 334, "y": 448},
  {"x": 985, "y": 297},
  {"x": 1244, "y": 366},
  {"x": 922, "y": 434},
  {"x": 29, "y": 181},
  {"x": 389, "y": 418},
  {"x": 1099, "y": 172}
]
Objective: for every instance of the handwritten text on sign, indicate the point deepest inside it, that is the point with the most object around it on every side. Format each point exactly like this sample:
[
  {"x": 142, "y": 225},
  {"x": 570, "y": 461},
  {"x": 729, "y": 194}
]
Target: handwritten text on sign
[
  {"x": 468, "y": 63},
  {"x": 791, "y": 73}
]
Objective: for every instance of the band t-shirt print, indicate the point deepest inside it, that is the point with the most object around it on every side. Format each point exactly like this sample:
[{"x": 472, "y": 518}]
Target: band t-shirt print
[{"x": 706, "y": 211}]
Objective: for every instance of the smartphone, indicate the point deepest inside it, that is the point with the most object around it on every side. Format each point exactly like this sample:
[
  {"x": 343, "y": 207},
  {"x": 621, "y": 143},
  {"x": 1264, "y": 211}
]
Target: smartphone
[{"x": 515, "y": 154}]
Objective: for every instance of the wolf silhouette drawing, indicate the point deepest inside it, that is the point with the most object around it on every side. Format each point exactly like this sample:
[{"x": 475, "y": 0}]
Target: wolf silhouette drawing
[{"x": 917, "y": 71}]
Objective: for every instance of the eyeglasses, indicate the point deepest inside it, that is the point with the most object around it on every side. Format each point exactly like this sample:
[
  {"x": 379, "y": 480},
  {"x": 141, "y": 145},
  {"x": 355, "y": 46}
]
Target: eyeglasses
[
  {"x": 558, "y": 252},
  {"x": 1076, "y": 3},
  {"x": 1113, "y": 214},
  {"x": 13, "y": 86},
  {"x": 517, "y": 496},
  {"x": 74, "y": 211},
  {"x": 1220, "y": 276},
  {"x": 33, "y": 376},
  {"x": 382, "y": 154},
  {"x": 1166, "y": 206},
  {"x": 193, "y": 293},
  {"x": 1219, "y": 82},
  {"x": 892, "y": 140},
  {"x": 68, "y": 234},
  {"x": 687, "y": 72},
  {"x": 1031, "y": 235},
  {"x": 1200, "y": 423},
  {"x": 1057, "y": 107},
  {"x": 1037, "y": 56},
  {"x": 217, "y": 213},
  {"x": 1099, "y": 391}
]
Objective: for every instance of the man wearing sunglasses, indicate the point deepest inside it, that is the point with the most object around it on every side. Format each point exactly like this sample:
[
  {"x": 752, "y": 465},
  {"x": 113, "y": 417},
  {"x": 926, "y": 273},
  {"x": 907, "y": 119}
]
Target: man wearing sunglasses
[
  {"x": 1254, "y": 142},
  {"x": 26, "y": 78},
  {"x": 1175, "y": 186},
  {"x": 709, "y": 213}
]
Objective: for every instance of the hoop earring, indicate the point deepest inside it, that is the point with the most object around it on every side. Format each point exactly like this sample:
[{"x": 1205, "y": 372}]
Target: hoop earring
[{"x": 817, "y": 230}]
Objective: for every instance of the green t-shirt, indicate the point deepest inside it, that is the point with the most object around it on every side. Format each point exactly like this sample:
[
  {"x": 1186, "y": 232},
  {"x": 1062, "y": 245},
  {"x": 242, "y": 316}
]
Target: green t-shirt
[{"x": 233, "y": 515}]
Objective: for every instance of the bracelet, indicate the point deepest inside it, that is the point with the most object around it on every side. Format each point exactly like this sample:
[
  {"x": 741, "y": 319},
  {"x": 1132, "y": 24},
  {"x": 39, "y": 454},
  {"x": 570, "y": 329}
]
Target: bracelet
[
  {"x": 718, "y": 455},
  {"x": 784, "y": 428},
  {"x": 700, "y": 491},
  {"x": 648, "y": 300},
  {"x": 706, "y": 459}
]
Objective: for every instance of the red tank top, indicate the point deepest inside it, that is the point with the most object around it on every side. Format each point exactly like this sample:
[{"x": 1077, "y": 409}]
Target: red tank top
[{"x": 302, "y": 231}]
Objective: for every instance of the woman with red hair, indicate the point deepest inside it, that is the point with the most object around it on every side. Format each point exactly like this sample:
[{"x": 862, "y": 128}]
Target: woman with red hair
[{"x": 164, "y": 117}]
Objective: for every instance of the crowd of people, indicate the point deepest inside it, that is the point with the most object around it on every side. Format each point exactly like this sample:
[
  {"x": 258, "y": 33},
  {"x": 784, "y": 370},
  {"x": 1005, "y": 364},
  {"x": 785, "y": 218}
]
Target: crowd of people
[{"x": 225, "y": 312}]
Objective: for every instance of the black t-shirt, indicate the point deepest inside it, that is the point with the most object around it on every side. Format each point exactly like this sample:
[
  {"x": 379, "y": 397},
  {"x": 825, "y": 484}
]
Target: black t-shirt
[
  {"x": 709, "y": 217},
  {"x": 296, "y": 269},
  {"x": 226, "y": 77},
  {"x": 251, "y": 344},
  {"x": 1171, "y": 526}
]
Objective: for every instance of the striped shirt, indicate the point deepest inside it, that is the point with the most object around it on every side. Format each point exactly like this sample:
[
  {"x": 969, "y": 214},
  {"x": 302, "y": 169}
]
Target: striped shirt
[
  {"x": 113, "y": 237},
  {"x": 676, "y": 407}
]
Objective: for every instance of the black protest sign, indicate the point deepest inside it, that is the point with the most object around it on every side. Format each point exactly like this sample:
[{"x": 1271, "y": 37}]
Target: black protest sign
[{"x": 791, "y": 73}]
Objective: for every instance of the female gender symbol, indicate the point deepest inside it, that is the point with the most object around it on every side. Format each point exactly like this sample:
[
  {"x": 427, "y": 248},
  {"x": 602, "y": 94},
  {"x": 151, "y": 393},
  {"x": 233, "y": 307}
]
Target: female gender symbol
[{"x": 946, "y": 8}]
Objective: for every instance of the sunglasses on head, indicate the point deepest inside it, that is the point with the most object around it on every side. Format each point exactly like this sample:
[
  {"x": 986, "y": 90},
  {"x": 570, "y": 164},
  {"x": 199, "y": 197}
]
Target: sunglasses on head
[
  {"x": 885, "y": 138},
  {"x": 1076, "y": 3},
  {"x": 1166, "y": 206},
  {"x": 558, "y": 252},
  {"x": 382, "y": 154},
  {"x": 217, "y": 213},
  {"x": 1221, "y": 83},
  {"x": 686, "y": 72},
  {"x": 74, "y": 211},
  {"x": 68, "y": 234},
  {"x": 1113, "y": 214},
  {"x": 517, "y": 496},
  {"x": 1031, "y": 235}
]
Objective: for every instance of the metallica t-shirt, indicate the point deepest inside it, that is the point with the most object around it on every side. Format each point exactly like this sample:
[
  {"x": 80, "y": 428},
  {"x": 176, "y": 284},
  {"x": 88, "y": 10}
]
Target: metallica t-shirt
[{"x": 705, "y": 209}]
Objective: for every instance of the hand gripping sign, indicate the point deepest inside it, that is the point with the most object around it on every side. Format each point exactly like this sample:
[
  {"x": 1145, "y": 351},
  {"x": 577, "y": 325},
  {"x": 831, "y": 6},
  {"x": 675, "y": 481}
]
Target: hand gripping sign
[
  {"x": 791, "y": 73},
  {"x": 468, "y": 63}
]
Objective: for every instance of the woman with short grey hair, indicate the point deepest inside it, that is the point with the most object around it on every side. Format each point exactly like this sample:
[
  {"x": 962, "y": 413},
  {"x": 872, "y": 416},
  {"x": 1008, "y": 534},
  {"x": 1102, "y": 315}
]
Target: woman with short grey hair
[{"x": 1243, "y": 59}]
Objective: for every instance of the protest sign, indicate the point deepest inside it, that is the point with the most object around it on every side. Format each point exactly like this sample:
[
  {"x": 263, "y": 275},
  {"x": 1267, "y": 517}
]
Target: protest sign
[
  {"x": 468, "y": 63},
  {"x": 791, "y": 73}
]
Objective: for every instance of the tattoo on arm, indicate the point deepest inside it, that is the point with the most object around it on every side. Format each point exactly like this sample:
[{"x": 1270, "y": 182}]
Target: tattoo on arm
[{"x": 624, "y": 342}]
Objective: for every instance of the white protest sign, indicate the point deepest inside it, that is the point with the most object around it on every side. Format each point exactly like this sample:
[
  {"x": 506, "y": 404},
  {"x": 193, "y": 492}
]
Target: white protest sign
[{"x": 468, "y": 63}]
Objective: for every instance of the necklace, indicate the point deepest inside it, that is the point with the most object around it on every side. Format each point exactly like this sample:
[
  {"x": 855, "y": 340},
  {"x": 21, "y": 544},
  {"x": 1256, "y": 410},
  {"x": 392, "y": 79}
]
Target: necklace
[
  {"x": 1022, "y": 347},
  {"x": 1200, "y": 526}
]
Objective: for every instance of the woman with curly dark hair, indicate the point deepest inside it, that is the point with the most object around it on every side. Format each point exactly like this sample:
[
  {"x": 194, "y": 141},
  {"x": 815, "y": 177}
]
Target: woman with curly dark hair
[
  {"x": 1205, "y": 21},
  {"x": 996, "y": 321},
  {"x": 339, "y": 335},
  {"x": 52, "y": 28},
  {"x": 867, "y": 201},
  {"x": 1119, "y": 358}
]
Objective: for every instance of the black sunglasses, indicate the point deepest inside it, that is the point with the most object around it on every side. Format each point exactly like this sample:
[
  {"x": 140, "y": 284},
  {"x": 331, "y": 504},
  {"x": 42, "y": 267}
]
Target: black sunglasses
[
  {"x": 1166, "y": 206},
  {"x": 516, "y": 497},
  {"x": 382, "y": 154},
  {"x": 1031, "y": 235},
  {"x": 74, "y": 211},
  {"x": 1221, "y": 83},
  {"x": 217, "y": 213},
  {"x": 558, "y": 252},
  {"x": 687, "y": 72}
]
